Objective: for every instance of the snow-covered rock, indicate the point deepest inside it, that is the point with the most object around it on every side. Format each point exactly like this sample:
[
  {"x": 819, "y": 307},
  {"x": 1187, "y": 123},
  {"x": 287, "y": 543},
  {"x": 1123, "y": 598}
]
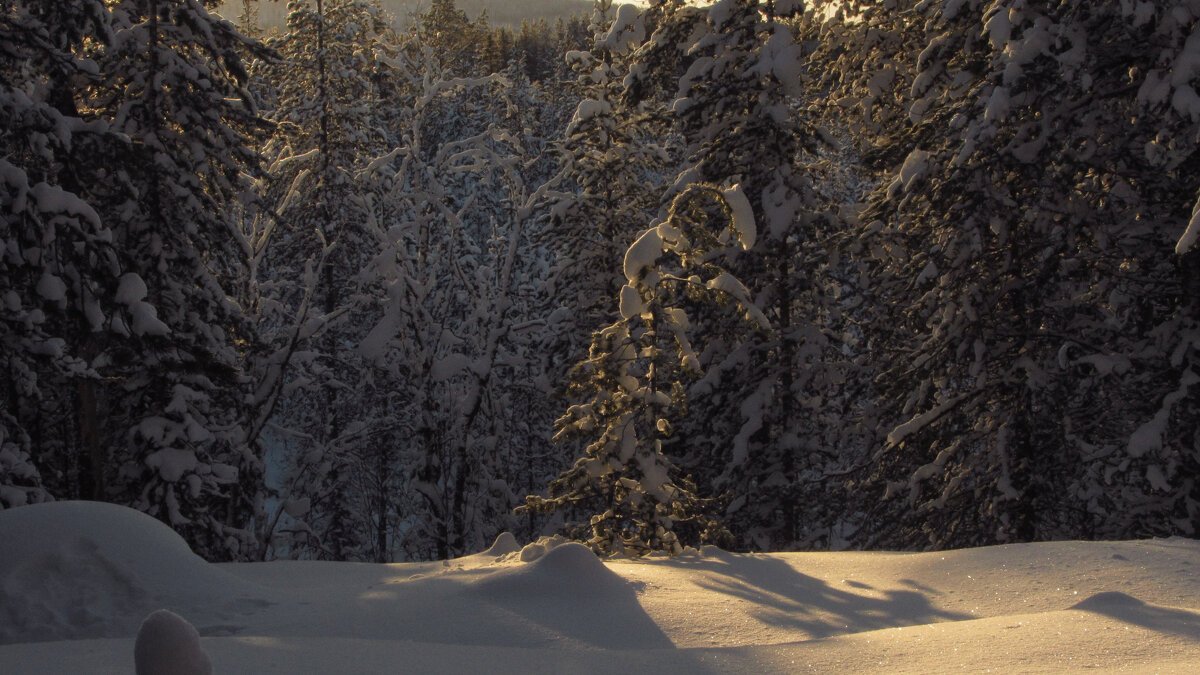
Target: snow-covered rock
[{"x": 168, "y": 645}]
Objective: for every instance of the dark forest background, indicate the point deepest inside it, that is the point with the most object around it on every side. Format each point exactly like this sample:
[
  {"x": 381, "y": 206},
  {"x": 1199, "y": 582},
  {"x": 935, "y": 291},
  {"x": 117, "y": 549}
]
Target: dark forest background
[{"x": 771, "y": 275}]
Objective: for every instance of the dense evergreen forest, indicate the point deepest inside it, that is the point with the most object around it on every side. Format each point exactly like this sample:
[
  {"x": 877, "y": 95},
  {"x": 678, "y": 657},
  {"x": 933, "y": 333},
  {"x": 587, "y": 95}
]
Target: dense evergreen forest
[
  {"x": 774, "y": 275},
  {"x": 272, "y": 14}
]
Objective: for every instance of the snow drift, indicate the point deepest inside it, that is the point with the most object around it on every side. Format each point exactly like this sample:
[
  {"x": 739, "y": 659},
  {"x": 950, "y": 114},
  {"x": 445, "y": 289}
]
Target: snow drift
[
  {"x": 71, "y": 570},
  {"x": 77, "y": 580}
]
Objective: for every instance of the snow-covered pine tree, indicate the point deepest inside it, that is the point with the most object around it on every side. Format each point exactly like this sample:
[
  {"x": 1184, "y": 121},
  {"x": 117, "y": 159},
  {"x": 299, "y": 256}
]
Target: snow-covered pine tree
[
  {"x": 57, "y": 268},
  {"x": 468, "y": 183},
  {"x": 759, "y": 428},
  {"x": 172, "y": 83},
  {"x": 632, "y": 383},
  {"x": 458, "y": 43},
  {"x": 318, "y": 277},
  {"x": 1027, "y": 304},
  {"x": 614, "y": 168}
]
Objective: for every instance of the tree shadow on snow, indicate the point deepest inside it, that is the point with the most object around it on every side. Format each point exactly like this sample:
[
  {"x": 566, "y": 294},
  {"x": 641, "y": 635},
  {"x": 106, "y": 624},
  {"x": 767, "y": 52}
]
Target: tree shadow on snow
[
  {"x": 796, "y": 601},
  {"x": 1129, "y": 609}
]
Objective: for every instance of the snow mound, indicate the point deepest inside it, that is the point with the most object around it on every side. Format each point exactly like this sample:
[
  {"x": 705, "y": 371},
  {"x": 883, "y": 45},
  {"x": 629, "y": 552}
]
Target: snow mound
[
  {"x": 101, "y": 570},
  {"x": 505, "y": 544},
  {"x": 552, "y": 569},
  {"x": 564, "y": 592},
  {"x": 168, "y": 645},
  {"x": 1132, "y": 611},
  {"x": 1109, "y": 601},
  {"x": 65, "y": 589}
]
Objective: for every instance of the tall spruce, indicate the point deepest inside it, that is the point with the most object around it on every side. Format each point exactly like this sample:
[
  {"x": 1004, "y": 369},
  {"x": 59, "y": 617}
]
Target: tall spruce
[
  {"x": 1031, "y": 320},
  {"x": 58, "y": 267},
  {"x": 138, "y": 139},
  {"x": 173, "y": 83},
  {"x": 760, "y": 429}
]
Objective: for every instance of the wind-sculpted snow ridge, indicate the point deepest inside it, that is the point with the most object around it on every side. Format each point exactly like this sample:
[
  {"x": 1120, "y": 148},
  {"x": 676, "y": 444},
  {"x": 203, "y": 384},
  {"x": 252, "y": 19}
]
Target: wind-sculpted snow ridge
[{"x": 76, "y": 570}]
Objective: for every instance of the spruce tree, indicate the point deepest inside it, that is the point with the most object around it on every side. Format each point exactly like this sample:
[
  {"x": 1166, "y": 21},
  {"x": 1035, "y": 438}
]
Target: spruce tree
[
  {"x": 1025, "y": 292},
  {"x": 174, "y": 84},
  {"x": 58, "y": 267},
  {"x": 761, "y": 430},
  {"x": 632, "y": 383}
]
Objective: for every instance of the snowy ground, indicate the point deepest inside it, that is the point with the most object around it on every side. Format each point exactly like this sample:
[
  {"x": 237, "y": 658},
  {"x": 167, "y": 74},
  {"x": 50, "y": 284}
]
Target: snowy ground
[{"x": 76, "y": 580}]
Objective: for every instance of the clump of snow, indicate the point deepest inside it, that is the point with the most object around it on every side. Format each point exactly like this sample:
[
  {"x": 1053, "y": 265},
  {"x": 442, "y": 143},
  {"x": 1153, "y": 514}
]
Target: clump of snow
[
  {"x": 130, "y": 289},
  {"x": 579, "y": 59},
  {"x": 168, "y": 645},
  {"x": 720, "y": 11},
  {"x": 998, "y": 105},
  {"x": 903, "y": 431},
  {"x": 52, "y": 288},
  {"x": 531, "y": 552},
  {"x": 131, "y": 292},
  {"x": 1155, "y": 89},
  {"x": 727, "y": 283},
  {"x": 586, "y": 110},
  {"x": 1191, "y": 234},
  {"x": 916, "y": 167},
  {"x": 999, "y": 28},
  {"x": 1186, "y": 102},
  {"x": 627, "y": 31},
  {"x": 504, "y": 544},
  {"x": 642, "y": 254},
  {"x": 743, "y": 216},
  {"x": 172, "y": 463},
  {"x": 784, "y": 58},
  {"x": 631, "y": 303}
]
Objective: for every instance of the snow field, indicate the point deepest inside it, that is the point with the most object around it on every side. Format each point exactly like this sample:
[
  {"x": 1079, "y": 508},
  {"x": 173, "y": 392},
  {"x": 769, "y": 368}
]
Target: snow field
[{"x": 78, "y": 579}]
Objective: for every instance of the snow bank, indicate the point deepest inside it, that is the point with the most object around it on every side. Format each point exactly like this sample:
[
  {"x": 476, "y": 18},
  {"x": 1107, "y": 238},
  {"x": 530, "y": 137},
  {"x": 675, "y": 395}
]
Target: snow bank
[
  {"x": 72, "y": 570},
  {"x": 569, "y": 569}
]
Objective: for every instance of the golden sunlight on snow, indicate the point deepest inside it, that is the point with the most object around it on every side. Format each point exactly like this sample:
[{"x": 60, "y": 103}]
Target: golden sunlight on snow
[{"x": 74, "y": 602}]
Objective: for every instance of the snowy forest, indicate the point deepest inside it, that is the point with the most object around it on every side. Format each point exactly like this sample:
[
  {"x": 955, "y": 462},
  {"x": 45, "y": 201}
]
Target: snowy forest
[
  {"x": 767, "y": 274},
  {"x": 270, "y": 14}
]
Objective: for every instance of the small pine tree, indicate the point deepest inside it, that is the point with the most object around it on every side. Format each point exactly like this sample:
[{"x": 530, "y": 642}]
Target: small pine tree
[{"x": 632, "y": 383}]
